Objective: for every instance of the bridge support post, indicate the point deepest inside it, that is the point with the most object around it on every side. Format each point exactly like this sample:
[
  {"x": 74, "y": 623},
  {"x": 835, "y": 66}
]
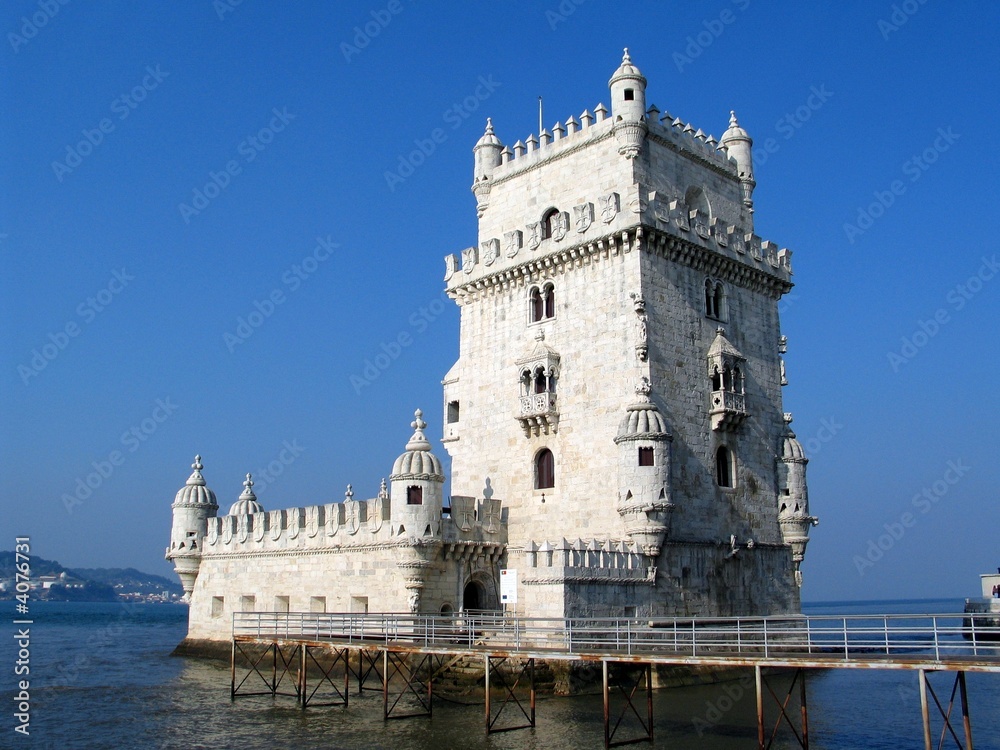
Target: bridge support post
[
  {"x": 958, "y": 688},
  {"x": 628, "y": 690},
  {"x": 764, "y": 742}
]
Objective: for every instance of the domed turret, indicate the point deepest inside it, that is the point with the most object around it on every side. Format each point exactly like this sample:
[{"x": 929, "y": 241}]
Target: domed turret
[
  {"x": 247, "y": 503},
  {"x": 644, "y": 472},
  {"x": 739, "y": 146},
  {"x": 487, "y": 158},
  {"x": 793, "y": 497},
  {"x": 193, "y": 505},
  {"x": 416, "y": 485},
  {"x": 628, "y": 107}
]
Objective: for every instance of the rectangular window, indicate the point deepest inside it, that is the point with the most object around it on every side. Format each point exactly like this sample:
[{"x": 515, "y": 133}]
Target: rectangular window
[
  {"x": 247, "y": 603},
  {"x": 414, "y": 495},
  {"x": 452, "y": 412},
  {"x": 646, "y": 457},
  {"x": 317, "y": 604},
  {"x": 281, "y": 604},
  {"x": 218, "y": 604},
  {"x": 359, "y": 605}
]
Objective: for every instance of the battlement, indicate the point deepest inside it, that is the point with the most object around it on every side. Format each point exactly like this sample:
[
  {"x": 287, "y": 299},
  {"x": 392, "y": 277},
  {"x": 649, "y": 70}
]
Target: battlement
[
  {"x": 352, "y": 523},
  {"x": 583, "y": 560}
]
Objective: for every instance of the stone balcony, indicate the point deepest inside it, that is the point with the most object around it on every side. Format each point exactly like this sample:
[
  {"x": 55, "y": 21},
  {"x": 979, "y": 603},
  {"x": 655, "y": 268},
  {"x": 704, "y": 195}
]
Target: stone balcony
[
  {"x": 537, "y": 413},
  {"x": 728, "y": 410}
]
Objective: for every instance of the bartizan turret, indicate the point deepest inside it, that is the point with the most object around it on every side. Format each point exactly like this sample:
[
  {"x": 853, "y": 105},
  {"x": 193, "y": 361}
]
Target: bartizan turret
[
  {"x": 628, "y": 108},
  {"x": 415, "y": 496},
  {"x": 793, "y": 498},
  {"x": 644, "y": 473},
  {"x": 193, "y": 505},
  {"x": 739, "y": 146},
  {"x": 487, "y": 156}
]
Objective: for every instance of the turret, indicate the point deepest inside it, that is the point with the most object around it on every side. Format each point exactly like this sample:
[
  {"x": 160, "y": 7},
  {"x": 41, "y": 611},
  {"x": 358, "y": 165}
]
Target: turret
[
  {"x": 193, "y": 505},
  {"x": 793, "y": 497},
  {"x": 739, "y": 146},
  {"x": 487, "y": 158},
  {"x": 644, "y": 472},
  {"x": 628, "y": 107}
]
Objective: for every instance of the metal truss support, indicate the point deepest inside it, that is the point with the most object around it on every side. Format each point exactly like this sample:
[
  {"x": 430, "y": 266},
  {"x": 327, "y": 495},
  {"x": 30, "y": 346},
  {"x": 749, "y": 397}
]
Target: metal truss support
[
  {"x": 625, "y": 685},
  {"x": 338, "y": 697},
  {"x": 369, "y": 662},
  {"x": 493, "y": 669},
  {"x": 960, "y": 688},
  {"x": 257, "y": 662},
  {"x": 393, "y": 664},
  {"x": 802, "y": 738}
]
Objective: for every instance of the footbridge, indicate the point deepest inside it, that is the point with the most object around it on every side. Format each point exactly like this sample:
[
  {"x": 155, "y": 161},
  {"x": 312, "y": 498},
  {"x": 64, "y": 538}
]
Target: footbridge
[{"x": 315, "y": 657}]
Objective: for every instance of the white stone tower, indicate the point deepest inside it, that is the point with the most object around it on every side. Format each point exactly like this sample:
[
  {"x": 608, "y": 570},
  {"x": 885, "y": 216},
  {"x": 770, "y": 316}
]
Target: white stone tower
[
  {"x": 193, "y": 505},
  {"x": 616, "y": 251}
]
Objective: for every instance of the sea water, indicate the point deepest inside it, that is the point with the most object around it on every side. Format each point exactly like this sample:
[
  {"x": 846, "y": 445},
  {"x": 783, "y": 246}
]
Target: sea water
[{"x": 102, "y": 677}]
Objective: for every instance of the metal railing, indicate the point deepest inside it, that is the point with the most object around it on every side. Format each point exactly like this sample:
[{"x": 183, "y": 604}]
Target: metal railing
[{"x": 851, "y": 638}]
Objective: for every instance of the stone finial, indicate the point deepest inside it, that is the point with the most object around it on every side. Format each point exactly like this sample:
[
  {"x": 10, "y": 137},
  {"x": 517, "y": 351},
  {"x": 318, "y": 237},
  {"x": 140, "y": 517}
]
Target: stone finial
[
  {"x": 601, "y": 111},
  {"x": 572, "y": 125},
  {"x": 248, "y": 493},
  {"x": 519, "y": 149},
  {"x": 625, "y": 57},
  {"x": 418, "y": 442},
  {"x": 506, "y": 155},
  {"x": 196, "y": 479},
  {"x": 732, "y": 119},
  {"x": 532, "y": 142},
  {"x": 586, "y": 118},
  {"x": 558, "y": 131},
  {"x": 787, "y": 416},
  {"x": 349, "y": 494},
  {"x": 545, "y": 137},
  {"x": 540, "y": 334},
  {"x": 643, "y": 389},
  {"x": 653, "y": 113}
]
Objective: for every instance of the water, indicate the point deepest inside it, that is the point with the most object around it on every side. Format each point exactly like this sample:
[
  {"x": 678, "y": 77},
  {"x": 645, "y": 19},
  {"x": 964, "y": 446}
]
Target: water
[{"x": 102, "y": 677}]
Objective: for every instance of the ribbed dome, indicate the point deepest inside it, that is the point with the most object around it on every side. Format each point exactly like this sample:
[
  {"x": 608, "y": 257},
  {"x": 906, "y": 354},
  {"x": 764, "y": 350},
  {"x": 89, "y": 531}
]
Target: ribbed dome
[
  {"x": 735, "y": 132},
  {"x": 642, "y": 420},
  {"x": 247, "y": 502},
  {"x": 489, "y": 137},
  {"x": 627, "y": 70},
  {"x": 418, "y": 462},
  {"x": 791, "y": 449},
  {"x": 194, "y": 491}
]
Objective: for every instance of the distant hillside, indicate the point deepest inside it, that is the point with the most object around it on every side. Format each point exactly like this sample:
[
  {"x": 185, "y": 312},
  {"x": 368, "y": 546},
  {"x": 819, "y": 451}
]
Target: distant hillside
[{"x": 84, "y": 584}]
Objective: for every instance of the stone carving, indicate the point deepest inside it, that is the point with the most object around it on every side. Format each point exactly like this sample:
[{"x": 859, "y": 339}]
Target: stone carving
[
  {"x": 227, "y": 529},
  {"x": 413, "y": 599},
  {"x": 450, "y": 266},
  {"x": 294, "y": 517},
  {"x": 534, "y": 235},
  {"x": 333, "y": 511},
  {"x": 737, "y": 241},
  {"x": 754, "y": 245},
  {"x": 463, "y": 512},
  {"x": 560, "y": 225},
  {"x": 491, "y": 251},
  {"x": 276, "y": 524},
  {"x": 700, "y": 224},
  {"x": 377, "y": 513},
  {"x": 491, "y": 515},
  {"x": 661, "y": 213},
  {"x": 213, "y": 531},
  {"x": 259, "y": 522},
  {"x": 470, "y": 256},
  {"x": 584, "y": 216},
  {"x": 610, "y": 204},
  {"x": 679, "y": 215},
  {"x": 243, "y": 528},
  {"x": 512, "y": 242},
  {"x": 312, "y": 521}
]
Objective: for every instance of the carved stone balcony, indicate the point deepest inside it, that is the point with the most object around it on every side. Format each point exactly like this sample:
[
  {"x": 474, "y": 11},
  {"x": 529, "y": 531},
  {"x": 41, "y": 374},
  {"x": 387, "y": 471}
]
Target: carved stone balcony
[
  {"x": 537, "y": 413},
  {"x": 728, "y": 411}
]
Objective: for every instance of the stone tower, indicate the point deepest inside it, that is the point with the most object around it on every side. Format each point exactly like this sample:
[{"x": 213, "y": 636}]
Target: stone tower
[{"x": 619, "y": 379}]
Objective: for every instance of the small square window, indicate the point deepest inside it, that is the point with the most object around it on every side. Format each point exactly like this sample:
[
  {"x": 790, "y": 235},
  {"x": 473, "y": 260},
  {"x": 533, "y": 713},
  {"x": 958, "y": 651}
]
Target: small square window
[
  {"x": 317, "y": 604},
  {"x": 414, "y": 495},
  {"x": 629, "y": 95},
  {"x": 281, "y": 604},
  {"x": 646, "y": 457},
  {"x": 453, "y": 412},
  {"x": 218, "y": 604}
]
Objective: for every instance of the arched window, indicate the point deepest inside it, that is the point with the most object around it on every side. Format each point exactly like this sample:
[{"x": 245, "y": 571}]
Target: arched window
[
  {"x": 715, "y": 299},
  {"x": 724, "y": 469},
  {"x": 545, "y": 470},
  {"x": 548, "y": 223},
  {"x": 542, "y": 303}
]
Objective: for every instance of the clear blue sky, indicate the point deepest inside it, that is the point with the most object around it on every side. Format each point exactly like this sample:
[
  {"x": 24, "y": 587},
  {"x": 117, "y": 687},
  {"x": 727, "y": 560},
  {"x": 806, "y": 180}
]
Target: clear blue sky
[{"x": 133, "y": 295}]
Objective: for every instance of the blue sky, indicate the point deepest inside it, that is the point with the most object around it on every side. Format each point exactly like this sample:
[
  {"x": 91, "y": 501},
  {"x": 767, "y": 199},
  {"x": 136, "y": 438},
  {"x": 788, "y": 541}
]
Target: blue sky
[{"x": 170, "y": 170}]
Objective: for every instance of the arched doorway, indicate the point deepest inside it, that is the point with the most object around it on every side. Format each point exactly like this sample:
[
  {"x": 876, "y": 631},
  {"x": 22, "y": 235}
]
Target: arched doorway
[{"x": 472, "y": 597}]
